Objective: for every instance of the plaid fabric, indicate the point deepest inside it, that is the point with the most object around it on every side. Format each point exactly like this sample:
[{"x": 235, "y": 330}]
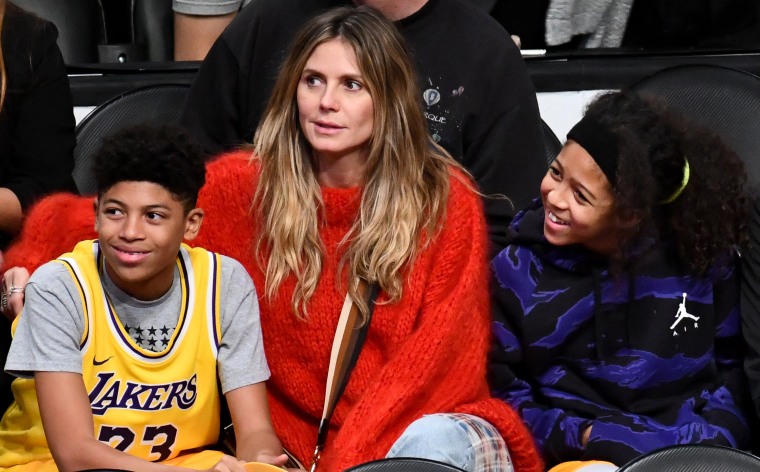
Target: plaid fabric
[{"x": 488, "y": 446}]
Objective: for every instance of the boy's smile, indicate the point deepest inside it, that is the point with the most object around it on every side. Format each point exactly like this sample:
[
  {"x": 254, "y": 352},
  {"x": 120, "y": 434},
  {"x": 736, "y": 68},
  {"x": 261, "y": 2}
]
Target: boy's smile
[
  {"x": 140, "y": 227},
  {"x": 129, "y": 256}
]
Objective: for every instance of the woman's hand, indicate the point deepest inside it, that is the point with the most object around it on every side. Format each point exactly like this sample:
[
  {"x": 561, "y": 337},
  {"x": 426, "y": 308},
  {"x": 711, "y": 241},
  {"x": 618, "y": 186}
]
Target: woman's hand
[{"x": 12, "y": 296}]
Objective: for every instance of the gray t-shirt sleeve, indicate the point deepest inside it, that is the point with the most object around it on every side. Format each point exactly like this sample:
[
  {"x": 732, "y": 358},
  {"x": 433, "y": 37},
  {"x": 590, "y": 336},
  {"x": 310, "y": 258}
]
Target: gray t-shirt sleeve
[
  {"x": 50, "y": 327},
  {"x": 241, "y": 360},
  {"x": 208, "y": 7}
]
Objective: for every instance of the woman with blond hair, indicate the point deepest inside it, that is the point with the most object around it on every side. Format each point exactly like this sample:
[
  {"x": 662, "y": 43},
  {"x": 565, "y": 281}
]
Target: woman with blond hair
[{"x": 346, "y": 184}]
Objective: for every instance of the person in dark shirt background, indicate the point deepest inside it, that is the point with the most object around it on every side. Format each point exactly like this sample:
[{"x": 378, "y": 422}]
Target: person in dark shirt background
[
  {"x": 36, "y": 117},
  {"x": 36, "y": 129}
]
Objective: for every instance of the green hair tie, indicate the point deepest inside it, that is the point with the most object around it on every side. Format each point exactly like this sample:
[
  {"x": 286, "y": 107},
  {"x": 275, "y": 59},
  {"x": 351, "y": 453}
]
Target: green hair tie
[{"x": 684, "y": 183}]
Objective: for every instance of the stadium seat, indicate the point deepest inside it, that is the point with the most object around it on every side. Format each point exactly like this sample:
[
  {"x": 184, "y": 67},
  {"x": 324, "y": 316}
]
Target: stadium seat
[
  {"x": 150, "y": 33},
  {"x": 725, "y": 100},
  {"x": 552, "y": 144},
  {"x": 404, "y": 465},
  {"x": 81, "y": 26},
  {"x": 693, "y": 458},
  {"x": 155, "y": 103}
]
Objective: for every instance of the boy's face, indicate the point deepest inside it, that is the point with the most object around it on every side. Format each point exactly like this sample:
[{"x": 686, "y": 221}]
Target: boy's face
[{"x": 140, "y": 227}]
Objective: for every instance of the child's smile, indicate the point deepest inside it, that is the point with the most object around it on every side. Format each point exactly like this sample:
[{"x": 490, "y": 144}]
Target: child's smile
[
  {"x": 579, "y": 202},
  {"x": 555, "y": 219},
  {"x": 130, "y": 256}
]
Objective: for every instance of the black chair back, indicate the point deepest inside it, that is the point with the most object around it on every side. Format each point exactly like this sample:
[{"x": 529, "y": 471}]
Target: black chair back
[
  {"x": 80, "y": 23},
  {"x": 724, "y": 100},
  {"x": 694, "y": 458},
  {"x": 552, "y": 144},
  {"x": 400, "y": 464},
  {"x": 154, "y": 103}
]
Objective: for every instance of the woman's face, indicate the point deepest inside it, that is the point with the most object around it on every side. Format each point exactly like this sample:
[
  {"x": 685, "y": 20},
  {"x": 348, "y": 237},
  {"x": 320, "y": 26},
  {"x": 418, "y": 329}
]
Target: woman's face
[
  {"x": 579, "y": 203},
  {"x": 335, "y": 108}
]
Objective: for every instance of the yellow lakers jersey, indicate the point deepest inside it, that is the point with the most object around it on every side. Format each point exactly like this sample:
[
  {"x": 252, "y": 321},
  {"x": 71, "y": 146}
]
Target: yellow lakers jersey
[{"x": 153, "y": 405}]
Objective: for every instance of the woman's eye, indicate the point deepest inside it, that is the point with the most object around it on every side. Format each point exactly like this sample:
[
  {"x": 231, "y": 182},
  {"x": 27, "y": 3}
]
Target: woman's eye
[
  {"x": 581, "y": 197},
  {"x": 353, "y": 85},
  {"x": 312, "y": 81},
  {"x": 554, "y": 172}
]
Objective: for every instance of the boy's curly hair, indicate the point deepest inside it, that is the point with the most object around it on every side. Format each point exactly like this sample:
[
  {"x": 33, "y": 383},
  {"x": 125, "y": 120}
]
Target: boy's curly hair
[
  {"x": 163, "y": 154},
  {"x": 709, "y": 218}
]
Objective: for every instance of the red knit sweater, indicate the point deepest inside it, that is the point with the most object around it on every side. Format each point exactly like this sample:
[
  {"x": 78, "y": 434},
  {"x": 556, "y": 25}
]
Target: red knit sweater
[{"x": 424, "y": 354}]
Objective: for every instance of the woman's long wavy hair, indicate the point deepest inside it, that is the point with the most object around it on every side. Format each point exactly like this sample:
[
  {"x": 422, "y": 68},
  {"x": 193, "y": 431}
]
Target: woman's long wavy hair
[
  {"x": 3, "y": 73},
  {"x": 406, "y": 180},
  {"x": 709, "y": 218}
]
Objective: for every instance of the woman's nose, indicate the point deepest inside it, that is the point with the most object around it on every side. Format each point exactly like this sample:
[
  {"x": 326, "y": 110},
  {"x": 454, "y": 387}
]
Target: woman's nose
[{"x": 329, "y": 101}]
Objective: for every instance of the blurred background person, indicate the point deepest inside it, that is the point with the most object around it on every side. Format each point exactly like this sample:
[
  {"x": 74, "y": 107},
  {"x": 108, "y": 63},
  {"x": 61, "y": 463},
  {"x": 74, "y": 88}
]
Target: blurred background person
[
  {"x": 36, "y": 128},
  {"x": 197, "y": 24}
]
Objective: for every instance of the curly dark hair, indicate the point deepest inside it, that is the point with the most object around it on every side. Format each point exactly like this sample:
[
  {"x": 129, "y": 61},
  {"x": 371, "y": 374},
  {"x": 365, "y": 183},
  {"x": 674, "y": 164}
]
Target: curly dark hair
[
  {"x": 163, "y": 154},
  {"x": 709, "y": 218}
]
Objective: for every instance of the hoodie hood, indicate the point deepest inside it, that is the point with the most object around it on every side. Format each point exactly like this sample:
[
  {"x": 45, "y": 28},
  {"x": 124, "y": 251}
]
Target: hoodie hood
[{"x": 527, "y": 229}]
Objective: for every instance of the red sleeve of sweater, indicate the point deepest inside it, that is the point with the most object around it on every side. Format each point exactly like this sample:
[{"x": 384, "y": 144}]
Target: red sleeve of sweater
[
  {"x": 442, "y": 366},
  {"x": 53, "y": 226}
]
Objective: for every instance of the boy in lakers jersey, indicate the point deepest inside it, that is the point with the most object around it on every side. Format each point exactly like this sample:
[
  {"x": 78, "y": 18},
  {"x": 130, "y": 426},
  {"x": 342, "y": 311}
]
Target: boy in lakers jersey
[{"x": 125, "y": 336}]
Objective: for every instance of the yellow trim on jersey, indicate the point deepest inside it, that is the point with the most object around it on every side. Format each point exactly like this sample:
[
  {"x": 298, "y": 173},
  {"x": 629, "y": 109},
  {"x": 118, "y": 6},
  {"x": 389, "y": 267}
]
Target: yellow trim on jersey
[{"x": 83, "y": 297}]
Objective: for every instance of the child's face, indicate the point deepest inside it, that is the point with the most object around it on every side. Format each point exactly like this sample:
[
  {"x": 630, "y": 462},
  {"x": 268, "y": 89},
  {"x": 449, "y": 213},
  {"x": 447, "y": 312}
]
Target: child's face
[
  {"x": 140, "y": 227},
  {"x": 579, "y": 203}
]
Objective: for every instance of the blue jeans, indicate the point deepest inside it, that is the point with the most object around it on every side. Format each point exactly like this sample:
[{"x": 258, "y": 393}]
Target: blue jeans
[{"x": 464, "y": 441}]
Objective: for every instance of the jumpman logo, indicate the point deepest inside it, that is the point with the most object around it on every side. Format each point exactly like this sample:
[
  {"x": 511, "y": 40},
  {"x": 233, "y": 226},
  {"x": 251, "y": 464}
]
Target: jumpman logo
[{"x": 682, "y": 313}]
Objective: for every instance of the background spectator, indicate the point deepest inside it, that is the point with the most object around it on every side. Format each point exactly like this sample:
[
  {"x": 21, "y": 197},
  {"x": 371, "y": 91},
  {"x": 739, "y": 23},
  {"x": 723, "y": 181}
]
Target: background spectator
[
  {"x": 197, "y": 24},
  {"x": 36, "y": 129}
]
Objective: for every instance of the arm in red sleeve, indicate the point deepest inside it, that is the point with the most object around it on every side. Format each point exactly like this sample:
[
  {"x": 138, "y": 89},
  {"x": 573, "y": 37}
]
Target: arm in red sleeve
[{"x": 53, "y": 226}]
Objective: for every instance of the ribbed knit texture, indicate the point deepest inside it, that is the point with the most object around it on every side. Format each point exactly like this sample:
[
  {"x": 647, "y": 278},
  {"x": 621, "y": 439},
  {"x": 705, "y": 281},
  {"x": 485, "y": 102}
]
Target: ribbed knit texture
[{"x": 424, "y": 354}]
